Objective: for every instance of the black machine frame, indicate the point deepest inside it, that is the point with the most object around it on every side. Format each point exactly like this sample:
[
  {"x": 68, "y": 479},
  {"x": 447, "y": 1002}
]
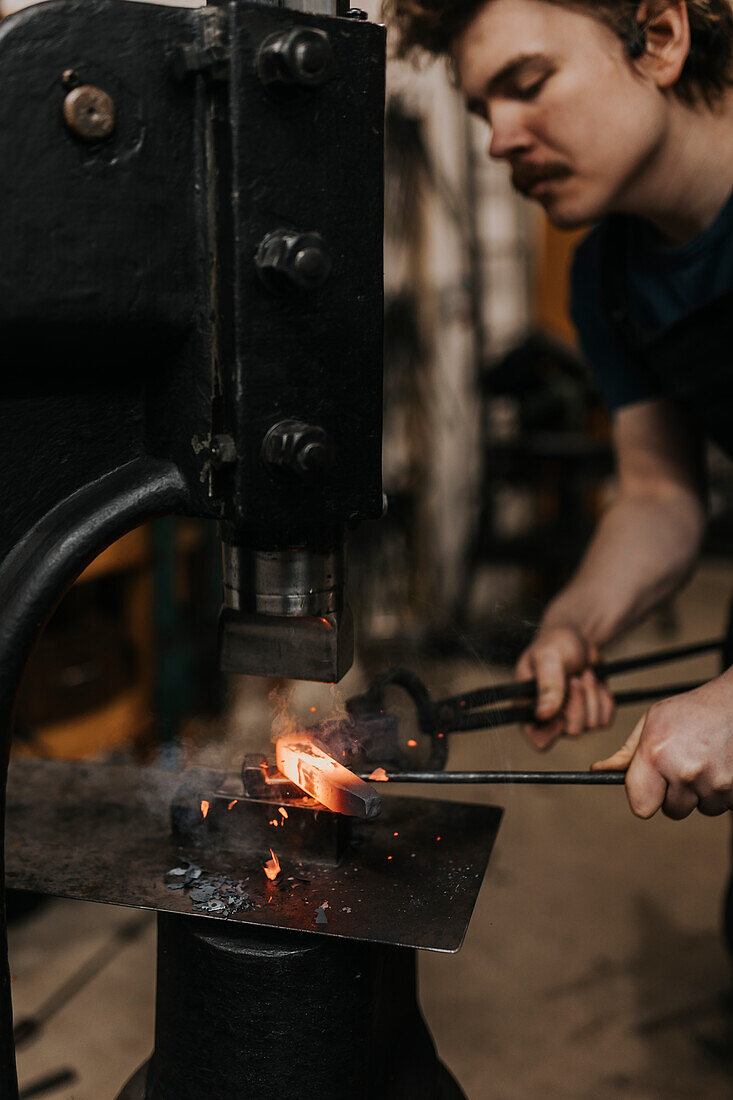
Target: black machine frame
[{"x": 149, "y": 343}]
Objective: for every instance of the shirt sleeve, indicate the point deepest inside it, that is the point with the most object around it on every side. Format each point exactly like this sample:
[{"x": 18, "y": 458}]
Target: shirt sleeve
[{"x": 620, "y": 380}]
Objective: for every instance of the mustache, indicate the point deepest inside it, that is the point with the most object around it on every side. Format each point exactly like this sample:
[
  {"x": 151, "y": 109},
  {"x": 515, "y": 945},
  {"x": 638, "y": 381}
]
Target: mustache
[{"x": 525, "y": 176}]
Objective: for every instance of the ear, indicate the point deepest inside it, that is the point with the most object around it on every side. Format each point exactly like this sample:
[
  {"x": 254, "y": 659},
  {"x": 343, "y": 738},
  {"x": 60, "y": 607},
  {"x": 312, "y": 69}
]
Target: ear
[{"x": 667, "y": 35}]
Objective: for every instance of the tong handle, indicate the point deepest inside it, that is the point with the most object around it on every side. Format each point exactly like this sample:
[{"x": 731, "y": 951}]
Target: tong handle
[{"x": 527, "y": 689}]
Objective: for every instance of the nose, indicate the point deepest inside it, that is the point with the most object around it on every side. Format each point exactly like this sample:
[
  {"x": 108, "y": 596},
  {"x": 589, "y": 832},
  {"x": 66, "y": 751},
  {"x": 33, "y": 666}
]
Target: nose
[{"x": 509, "y": 135}]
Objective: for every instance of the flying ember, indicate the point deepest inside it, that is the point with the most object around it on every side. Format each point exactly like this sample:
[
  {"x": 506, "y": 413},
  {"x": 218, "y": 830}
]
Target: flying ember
[
  {"x": 272, "y": 867},
  {"x": 204, "y": 807}
]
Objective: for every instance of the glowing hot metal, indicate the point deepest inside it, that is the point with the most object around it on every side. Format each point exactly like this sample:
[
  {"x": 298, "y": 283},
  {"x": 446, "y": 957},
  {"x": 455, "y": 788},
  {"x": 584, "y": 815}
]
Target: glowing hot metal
[{"x": 323, "y": 778}]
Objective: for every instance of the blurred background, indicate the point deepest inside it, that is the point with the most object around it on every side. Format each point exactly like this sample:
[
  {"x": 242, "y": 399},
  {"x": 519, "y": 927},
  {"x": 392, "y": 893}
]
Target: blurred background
[{"x": 594, "y": 965}]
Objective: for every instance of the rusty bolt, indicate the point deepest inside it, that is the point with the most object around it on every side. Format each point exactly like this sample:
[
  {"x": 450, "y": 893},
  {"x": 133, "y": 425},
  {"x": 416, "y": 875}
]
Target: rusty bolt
[
  {"x": 89, "y": 113},
  {"x": 70, "y": 78}
]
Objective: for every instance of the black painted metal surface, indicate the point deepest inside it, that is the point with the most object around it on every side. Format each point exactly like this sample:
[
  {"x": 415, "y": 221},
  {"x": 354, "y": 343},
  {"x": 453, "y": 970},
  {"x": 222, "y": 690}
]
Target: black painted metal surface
[
  {"x": 101, "y": 832},
  {"x": 135, "y": 328},
  {"x": 245, "y": 1012},
  {"x": 305, "y": 160}
]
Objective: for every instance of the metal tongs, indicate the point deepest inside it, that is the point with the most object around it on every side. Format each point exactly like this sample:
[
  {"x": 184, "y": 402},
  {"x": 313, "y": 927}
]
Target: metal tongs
[{"x": 482, "y": 709}]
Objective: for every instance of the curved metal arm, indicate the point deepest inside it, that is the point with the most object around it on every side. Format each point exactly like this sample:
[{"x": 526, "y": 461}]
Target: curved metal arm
[{"x": 33, "y": 578}]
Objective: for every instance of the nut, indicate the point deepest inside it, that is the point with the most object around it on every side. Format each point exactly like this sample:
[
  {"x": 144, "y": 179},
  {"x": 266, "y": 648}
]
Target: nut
[
  {"x": 301, "y": 450},
  {"x": 299, "y": 57},
  {"x": 286, "y": 258}
]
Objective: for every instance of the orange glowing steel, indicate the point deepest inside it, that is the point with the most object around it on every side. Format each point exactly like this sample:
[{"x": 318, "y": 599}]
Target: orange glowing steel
[
  {"x": 204, "y": 807},
  {"x": 272, "y": 867},
  {"x": 379, "y": 775},
  {"x": 233, "y": 802},
  {"x": 312, "y": 769}
]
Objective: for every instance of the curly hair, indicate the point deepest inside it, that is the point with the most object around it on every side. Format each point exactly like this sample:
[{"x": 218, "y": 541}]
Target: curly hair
[{"x": 430, "y": 26}]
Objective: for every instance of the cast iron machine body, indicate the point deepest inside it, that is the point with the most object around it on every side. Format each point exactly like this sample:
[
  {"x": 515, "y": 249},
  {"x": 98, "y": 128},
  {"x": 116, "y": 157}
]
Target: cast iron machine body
[{"x": 190, "y": 314}]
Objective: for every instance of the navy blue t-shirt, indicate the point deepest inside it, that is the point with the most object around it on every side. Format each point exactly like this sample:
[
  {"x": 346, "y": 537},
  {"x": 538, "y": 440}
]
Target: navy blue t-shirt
[{"x": 664, "y": 285}]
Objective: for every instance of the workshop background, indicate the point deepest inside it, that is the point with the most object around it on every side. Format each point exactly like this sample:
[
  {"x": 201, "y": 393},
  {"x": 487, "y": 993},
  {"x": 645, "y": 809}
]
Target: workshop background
[{"x": 594, "y": 965}]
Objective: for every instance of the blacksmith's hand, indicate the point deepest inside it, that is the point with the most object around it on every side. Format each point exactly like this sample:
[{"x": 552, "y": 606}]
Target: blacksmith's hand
[
  {"x": 571, "y": 699},
  {"x": 679, "y": 757}
]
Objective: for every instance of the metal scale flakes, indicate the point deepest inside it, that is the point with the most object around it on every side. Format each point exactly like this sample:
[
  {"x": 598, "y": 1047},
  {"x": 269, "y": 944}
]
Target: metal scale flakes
[{"x": 101, "y": 832}]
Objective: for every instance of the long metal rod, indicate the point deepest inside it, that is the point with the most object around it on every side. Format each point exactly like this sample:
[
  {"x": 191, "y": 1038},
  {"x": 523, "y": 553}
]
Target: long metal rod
[
  {"x": 508, "y": 716},
  {"x": 527, "y": 689},
  {"x": 554, "y": 779}
]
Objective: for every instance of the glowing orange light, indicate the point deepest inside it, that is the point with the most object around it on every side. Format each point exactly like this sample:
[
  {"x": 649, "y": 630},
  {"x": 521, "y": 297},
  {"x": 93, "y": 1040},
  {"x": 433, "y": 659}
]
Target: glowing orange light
[
  {"x": 313, "y": 710},
  {"x": 204, "y": 807},
  {"x": 412, "y": 743},
  {"x": 322, "y": 777},
  {"x": 389, "y": 857},
  {"x": 275, "y": 822},
  {"x": 272, "y": 867},
  {"x": 379, "y": 775},
  {"x": 283, "y": 811},
  {"x": 438, "y": 838},
  {"x": 233, "y": 802},
  {"x": 395, "y": 834}
]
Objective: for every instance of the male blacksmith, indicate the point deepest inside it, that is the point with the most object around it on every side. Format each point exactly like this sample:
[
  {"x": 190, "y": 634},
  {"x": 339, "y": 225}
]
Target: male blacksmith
[{"x": 619, "y": 116}]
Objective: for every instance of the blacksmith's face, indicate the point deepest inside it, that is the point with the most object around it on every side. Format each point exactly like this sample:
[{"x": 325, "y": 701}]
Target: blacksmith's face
[{"x": 567, "y": 110}]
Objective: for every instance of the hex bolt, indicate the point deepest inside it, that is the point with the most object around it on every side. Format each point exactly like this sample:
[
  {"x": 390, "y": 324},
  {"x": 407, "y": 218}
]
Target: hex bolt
[
  {"x": 223, "y": 451},
  {"x": 302, "y": 450},
  {"x": 89, "y": 113},
  {"x": 299, "y": 57},
  {"x": 289, "y": 259}
]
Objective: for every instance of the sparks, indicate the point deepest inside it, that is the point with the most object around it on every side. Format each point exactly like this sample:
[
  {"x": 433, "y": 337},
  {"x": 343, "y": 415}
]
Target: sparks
[
  {"x": 395, "y": 834},
  {"x": 412, "y": 743},
  {"x": 204, "y": 807},
  {"x": 272, "y": 867},
  {"x": 379, "y": 775},
  {"x": 233, "y": 802},
  {"x": 283, "y": 811}
]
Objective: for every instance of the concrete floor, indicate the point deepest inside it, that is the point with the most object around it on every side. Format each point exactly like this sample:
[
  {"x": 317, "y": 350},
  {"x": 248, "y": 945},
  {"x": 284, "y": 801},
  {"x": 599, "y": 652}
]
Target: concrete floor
[{"x": 593, "y": 967}]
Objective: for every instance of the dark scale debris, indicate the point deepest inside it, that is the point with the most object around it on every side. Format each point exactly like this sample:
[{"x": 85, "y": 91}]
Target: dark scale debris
[
  {"x": 321, "y": 917},
  {"x": 208, "y": 893}
]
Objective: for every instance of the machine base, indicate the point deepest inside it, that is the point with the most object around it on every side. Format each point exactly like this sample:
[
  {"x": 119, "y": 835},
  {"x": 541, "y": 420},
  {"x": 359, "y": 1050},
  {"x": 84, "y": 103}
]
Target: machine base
[{"x": 254, "y": 1012}]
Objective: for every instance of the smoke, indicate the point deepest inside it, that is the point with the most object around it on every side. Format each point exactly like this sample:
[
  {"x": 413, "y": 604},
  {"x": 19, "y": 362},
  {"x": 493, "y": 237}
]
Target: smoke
[{"x": 284, "y": 721}]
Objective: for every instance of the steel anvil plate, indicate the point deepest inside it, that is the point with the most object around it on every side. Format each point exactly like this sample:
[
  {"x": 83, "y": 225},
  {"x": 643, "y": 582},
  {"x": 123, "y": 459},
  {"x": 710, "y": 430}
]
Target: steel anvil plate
[{"x": 101, "y": 832}]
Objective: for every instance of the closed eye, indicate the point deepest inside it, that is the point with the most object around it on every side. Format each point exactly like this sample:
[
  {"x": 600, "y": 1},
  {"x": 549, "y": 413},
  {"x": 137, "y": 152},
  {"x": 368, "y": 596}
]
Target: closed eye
[{"x": 531, "y": 91}]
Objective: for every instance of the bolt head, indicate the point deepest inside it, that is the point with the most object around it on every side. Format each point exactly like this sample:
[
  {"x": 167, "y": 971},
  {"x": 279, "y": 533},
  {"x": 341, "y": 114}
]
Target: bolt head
[
  {"x": 89, "y": 113},
  {"x": 300, "y": 57},
  {"x": 293, "y": 448},
  {"x": 311, "y": 55},
  {"x": 223, "y": 451},
  {"x": 287, "y": 259},
  {"x": 311, "y": 265}
]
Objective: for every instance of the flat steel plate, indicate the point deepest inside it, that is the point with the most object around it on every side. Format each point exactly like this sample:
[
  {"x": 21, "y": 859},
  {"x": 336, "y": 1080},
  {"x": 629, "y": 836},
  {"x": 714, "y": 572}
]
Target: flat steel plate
[{"x": 101, "y": 832}]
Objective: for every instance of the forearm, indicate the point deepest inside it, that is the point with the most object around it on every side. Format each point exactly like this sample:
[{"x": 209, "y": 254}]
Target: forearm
[{"x": 642, "y": 551}]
